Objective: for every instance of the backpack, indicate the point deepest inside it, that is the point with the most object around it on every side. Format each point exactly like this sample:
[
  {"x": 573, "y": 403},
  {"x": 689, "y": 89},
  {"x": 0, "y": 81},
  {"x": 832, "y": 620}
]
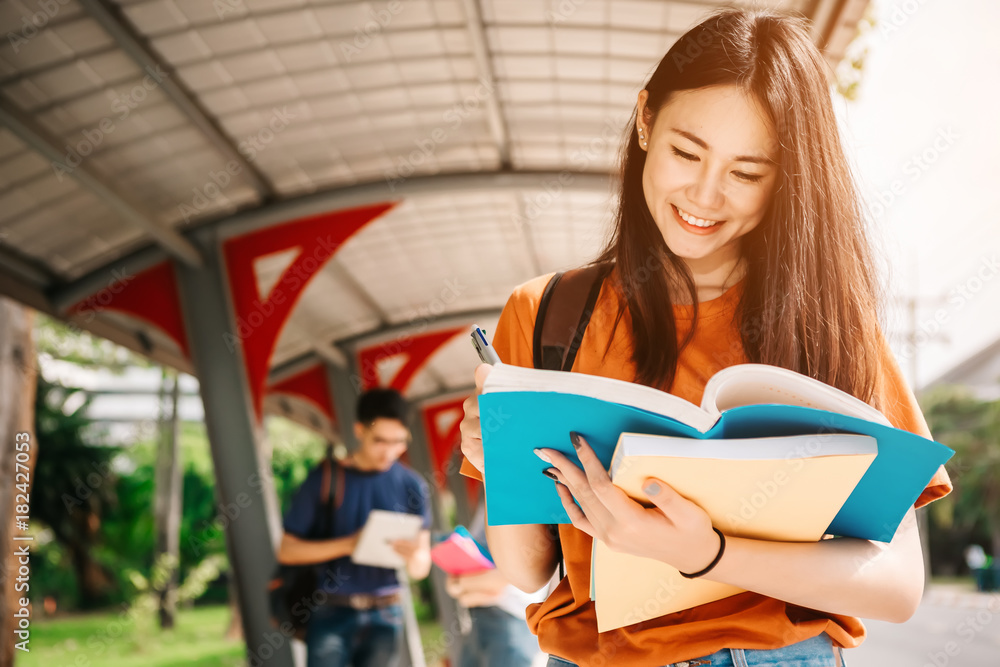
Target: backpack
[
  {"x": 292, "y": 586},
  {"x": 564, "y": 312}
]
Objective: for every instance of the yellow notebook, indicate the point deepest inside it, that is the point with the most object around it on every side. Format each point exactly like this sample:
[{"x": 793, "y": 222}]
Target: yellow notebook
[{"x": 785, "y": 489}]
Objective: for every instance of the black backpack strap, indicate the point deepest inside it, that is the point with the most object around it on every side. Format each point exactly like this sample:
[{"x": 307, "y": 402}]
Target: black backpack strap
[
  {"x": 331, "y": 496},
  {"x": 564, "y": 312}
]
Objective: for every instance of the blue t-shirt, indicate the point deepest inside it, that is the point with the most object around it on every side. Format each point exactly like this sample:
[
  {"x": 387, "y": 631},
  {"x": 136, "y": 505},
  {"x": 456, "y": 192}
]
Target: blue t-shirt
[{"x": 397, "y": 489}]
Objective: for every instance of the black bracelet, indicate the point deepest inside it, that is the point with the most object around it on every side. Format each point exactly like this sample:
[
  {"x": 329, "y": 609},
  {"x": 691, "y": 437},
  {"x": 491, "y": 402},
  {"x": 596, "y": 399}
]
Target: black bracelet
[{"x": 718, "y": 557}]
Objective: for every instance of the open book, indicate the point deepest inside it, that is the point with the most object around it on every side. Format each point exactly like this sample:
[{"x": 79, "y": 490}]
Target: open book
[
  {"x": 524, "y": 408},
  {"x": 784, "y": 489},
  {"x": 459, "y": 553}
]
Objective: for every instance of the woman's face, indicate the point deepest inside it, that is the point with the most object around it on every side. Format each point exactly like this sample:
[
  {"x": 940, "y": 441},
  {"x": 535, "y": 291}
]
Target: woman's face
[{"x": 710, "y": 170}]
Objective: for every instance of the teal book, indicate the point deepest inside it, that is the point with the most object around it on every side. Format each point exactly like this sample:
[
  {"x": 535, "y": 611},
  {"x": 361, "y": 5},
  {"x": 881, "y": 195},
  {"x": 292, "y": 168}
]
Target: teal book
[{"x": 524, "y": 408}]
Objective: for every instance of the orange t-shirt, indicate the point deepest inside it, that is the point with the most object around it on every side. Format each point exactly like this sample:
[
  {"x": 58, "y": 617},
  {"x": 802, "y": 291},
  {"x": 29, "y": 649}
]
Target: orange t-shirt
[{"x": 565, "y": 623}]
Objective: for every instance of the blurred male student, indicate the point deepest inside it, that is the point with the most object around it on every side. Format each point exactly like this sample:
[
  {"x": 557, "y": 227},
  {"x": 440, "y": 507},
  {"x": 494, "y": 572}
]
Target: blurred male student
[{"x": 361, "y": 620}]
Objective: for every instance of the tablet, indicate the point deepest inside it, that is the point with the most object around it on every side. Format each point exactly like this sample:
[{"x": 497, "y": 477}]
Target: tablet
[{"x": 381, "y": 528}]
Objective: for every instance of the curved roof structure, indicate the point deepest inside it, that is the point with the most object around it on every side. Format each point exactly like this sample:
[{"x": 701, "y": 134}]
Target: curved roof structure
[{"x": 488, "y": 130}]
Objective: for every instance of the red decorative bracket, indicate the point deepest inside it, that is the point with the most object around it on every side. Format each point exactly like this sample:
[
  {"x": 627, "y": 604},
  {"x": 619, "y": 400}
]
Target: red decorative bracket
[
  {"x": 260, "y": 318},
  {"x": 150, "y": 296}
]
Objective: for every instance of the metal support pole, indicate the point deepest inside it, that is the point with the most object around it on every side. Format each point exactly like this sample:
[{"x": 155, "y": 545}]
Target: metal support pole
[
  {"x": 344, "y": 394},
  {"x": 448, "y": 609},
  {"x": 231, "y": 429},
  {"x": 464, "y": 510}
]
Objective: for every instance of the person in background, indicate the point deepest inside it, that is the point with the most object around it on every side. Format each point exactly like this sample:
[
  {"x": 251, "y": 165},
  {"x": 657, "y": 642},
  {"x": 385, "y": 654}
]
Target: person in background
[
  {"x": 360, "y": 622},
  {"x": 499, "y": 636}
]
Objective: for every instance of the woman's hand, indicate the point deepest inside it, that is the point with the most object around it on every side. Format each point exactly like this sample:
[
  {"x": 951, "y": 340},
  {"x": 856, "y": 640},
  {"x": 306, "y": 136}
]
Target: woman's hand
[
  {"x": 472, "y": 434},
  {"x": 675, "y": 531}
]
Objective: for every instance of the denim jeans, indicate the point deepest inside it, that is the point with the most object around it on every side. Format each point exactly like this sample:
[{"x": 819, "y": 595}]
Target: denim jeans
[
  {"x": 818, "y": 651},
  {"x": 341, "y": 636},
  {"x": 497, "y": 639}
]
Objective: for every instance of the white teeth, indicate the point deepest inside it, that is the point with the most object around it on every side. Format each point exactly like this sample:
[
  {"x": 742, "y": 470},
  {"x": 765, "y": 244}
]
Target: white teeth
[{"x": 697, "y": 222}]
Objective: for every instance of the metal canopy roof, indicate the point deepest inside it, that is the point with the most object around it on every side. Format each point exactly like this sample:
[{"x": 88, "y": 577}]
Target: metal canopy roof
[{"x": 131, "y": 129}]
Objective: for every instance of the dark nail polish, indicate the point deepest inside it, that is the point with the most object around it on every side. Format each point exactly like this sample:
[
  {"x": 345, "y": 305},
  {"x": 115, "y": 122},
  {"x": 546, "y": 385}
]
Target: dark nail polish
[
  {"x": 551, "y": 475},
  {"x": 575, "y": 438}
]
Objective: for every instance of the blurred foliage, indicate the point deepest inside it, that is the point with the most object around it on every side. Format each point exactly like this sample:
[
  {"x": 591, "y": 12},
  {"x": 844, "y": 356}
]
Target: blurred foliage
[
  {"x": 92, "y": 504},
  {"x": 73, "y": 490},
  {"x": 850, "y": 70},
  {"x": 63, "y": 341},
  {"x": 971, "y": 513}
]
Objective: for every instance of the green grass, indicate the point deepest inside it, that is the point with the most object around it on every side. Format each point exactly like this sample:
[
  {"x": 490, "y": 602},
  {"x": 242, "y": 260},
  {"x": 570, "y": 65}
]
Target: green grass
[{"x": 115, "y": 640}]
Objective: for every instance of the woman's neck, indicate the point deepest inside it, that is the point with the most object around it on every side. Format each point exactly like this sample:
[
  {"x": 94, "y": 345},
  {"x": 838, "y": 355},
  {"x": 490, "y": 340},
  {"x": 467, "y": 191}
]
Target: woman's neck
[{"x": 710, "y": 282}]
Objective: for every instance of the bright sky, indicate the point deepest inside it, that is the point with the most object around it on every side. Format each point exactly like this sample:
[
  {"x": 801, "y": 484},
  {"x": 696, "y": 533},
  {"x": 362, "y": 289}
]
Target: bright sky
[{"x": 927, "y": 121}]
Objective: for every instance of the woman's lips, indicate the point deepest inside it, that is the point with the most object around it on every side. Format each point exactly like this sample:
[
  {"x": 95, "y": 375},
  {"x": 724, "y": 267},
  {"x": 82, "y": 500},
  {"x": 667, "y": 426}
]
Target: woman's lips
[{"x": 694, "y": 229}]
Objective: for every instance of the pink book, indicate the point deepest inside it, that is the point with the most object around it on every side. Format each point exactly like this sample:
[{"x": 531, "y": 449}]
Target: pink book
[{"x": 460, "y": 555}]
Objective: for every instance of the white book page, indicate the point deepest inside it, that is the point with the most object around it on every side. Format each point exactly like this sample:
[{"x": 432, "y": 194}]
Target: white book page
[
  {"x": 381, "y": 528},
  {"x": 755, "y": 384},
  {"x": 516, "y": 378},
  {"x": 777, "y": 448}
]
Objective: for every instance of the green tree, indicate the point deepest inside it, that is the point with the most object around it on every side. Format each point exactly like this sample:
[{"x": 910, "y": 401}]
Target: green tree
[
  {"x": 74, "y": 486},
  {"x": 972, "y": 428}
]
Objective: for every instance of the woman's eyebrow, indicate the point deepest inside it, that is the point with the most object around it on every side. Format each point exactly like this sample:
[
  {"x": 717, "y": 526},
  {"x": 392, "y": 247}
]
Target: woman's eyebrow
[{"x": 756, "y": 159}]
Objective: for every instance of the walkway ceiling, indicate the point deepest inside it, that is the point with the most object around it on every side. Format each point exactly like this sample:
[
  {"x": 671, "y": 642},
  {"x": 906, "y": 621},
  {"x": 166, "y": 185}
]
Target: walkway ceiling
[{"x": 141, "y": 131}]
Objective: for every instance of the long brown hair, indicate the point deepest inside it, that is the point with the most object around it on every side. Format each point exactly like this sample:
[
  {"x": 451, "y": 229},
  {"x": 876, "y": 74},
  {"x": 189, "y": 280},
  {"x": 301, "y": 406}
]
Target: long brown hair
[{"x": 810, "y": 294}]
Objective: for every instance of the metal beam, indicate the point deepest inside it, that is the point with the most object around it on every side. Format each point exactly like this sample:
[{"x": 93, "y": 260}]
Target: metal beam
[
  {"x": 385, "y": 190},
  {"x": 344, "y": 392},
  {"x": 394, "y": 331},
  {"x": 481, "y": 55},
  {"x": 26, "y": 270},
  {"x": 132, "y": 43},
  {"x": 333, "y": 200},
  {"x": 307, "y": 359},
  {"x": 89, "y": 284},
  {"x": 45, "y": 143}
]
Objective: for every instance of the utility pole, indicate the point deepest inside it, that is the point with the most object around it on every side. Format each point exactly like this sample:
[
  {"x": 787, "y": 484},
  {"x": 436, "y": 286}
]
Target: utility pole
[{"x": 914, "y": 342}]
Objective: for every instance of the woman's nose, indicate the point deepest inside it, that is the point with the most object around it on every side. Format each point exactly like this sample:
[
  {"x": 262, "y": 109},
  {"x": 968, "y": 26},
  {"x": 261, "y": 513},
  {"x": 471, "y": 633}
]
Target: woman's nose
[{"x": 706, "y": 192}]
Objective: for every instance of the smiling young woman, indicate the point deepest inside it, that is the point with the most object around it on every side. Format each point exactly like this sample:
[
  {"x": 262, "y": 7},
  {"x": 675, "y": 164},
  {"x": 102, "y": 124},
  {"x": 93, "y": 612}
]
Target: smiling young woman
[{"x": 738, "y": 237}]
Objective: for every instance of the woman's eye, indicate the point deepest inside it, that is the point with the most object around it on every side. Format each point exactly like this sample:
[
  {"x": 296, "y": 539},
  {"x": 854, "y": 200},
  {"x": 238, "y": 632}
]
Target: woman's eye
[
  {"x": 686, "y": 156},
  {"x": 750, "y": 178}
]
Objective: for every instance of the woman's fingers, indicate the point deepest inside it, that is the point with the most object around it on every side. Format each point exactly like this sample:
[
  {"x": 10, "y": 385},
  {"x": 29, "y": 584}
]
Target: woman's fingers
[
  {"x": 579, "y": 486},
  {"x": 482, "y": 372},
  {"x": 471, "y": 428},
  {"x": 576, "y": 515},
  {"x": 472, "y": 435},
  {"x": 616, "y": 500}
]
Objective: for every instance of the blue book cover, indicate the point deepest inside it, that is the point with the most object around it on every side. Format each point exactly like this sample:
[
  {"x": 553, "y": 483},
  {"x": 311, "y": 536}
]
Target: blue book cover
[{"x": 514, "y": 423}]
